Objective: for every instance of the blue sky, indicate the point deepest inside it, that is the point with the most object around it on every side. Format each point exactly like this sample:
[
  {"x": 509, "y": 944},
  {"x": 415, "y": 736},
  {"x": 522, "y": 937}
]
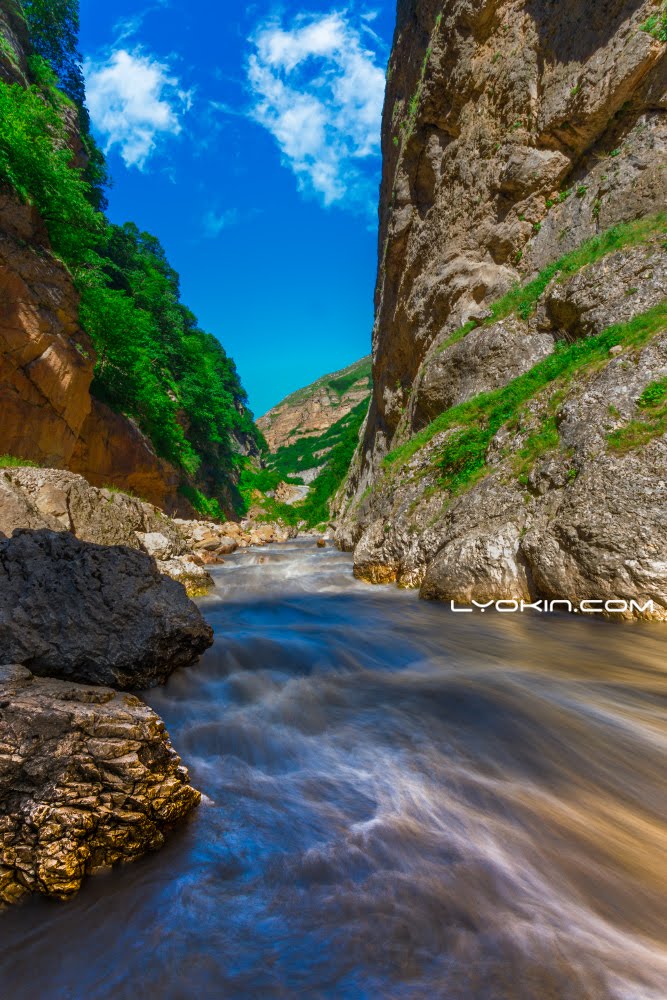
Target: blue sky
[{"x": 246, "y": 137}]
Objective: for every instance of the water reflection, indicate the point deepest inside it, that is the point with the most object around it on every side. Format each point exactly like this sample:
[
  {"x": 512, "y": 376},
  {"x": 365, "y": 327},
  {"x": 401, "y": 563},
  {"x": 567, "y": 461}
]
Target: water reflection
[{"x": 400, "y": 803}]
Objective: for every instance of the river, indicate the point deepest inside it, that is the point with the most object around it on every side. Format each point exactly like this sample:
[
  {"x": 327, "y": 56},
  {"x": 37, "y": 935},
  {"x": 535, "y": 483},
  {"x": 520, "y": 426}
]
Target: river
[{"x": 400, "y": 802}]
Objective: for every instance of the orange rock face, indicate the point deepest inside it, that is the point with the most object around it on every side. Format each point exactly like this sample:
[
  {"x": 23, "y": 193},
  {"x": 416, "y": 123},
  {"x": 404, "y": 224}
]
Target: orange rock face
[
  {"x": 46, "y": 361},
  {"x": 47, "y": 414},
  {"x": 112, "y": 451}
]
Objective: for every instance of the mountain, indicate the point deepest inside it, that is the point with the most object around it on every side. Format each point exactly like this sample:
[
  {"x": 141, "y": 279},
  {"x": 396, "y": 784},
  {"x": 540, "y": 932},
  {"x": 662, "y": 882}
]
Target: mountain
[
  {"x": 103, "y": 370},
  {"x": 515, "y": 445},
  {"x": 310, "y": 412},
  {"x": 311, "y": 436}
]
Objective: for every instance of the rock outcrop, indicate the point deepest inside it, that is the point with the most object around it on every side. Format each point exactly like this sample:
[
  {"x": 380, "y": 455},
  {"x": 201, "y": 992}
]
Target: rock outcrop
[
  {"x": 64, "y": 501},
  {"x": 522, "y": 143},
  {"x": 88, "y": 778},
  {"x": 97, "y": 614},
  {"x": 310, "y": 412}
]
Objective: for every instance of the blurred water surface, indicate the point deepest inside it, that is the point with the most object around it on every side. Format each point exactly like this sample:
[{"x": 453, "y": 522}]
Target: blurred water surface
[{"x": 400, "y": 802}]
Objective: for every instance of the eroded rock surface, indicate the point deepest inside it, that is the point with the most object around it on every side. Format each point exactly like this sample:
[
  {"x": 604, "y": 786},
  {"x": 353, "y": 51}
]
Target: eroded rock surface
[
  {"x": 88, "y": 778},
  {"x": 514, "y": 134}
]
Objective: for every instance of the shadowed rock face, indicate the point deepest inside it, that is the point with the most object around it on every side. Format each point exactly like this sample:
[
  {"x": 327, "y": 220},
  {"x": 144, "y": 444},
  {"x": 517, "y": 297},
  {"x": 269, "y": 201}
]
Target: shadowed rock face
[
  {"x": 492, "y": 108},
  {"x": 88, "y": 778},
  {"x": 94, "y": 614},
  {"x": 514, "y": 132}
]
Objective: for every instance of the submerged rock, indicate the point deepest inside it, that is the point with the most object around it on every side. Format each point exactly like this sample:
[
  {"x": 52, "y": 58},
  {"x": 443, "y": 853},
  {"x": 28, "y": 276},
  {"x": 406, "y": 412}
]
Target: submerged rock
[
  {"x": 91, "y": 613},
  {"x": 88, "y": 778}
]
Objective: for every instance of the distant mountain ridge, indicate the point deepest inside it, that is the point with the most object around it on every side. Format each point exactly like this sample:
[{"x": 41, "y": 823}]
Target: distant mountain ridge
[
  {"x": 311, "y": 411},
  {"x": 312, "y": 436}
]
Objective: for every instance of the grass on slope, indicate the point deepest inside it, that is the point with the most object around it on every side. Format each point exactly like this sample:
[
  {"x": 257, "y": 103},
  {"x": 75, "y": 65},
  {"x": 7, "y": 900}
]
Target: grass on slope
[
  {"x": 522, "y": 299},
  {"x": 341, "y": 439},
  {"x": 340, "y": 382},
  {"x": 462, "y": 460},
  {"x": 653, "y": 423},
  {"x": 12, "y": 462}
]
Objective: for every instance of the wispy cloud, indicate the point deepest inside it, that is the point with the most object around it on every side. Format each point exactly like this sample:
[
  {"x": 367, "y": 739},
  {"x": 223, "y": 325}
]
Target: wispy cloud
[
  {"x": 134, "y": 101},
  {"x": 215, "y": 222},
  {"x": 319, "y": 89},
  {"x": 127, "y": 27}
]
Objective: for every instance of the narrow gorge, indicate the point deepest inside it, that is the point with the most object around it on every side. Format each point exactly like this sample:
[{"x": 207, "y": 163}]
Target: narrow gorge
[{"x": 363, "y": 699}]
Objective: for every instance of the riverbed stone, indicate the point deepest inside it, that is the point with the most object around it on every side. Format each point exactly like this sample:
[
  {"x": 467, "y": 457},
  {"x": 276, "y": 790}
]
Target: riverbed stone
[
  {"x": 88, "y": 779},
  {"x": 94, "y": 614}
]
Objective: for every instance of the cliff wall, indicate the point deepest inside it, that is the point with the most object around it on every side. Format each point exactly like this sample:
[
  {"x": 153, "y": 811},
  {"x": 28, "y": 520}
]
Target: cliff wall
[
  {"x": 48, "y": 414},
  {"x": 525, "y": 154}
]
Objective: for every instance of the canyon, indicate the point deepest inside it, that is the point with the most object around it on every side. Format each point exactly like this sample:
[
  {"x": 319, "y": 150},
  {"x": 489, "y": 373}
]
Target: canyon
[{"x": 513, "y": 446}]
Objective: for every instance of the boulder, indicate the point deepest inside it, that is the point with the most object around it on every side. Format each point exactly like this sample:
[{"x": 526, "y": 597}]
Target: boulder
[
  {"x": 192, "y": 575},
  {"x": 88, "y": 778},
  {"x": 102, "y": 516},
  {"x": 94, "y": 614}
]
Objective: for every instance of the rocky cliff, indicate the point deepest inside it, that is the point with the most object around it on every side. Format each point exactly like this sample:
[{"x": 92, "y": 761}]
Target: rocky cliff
[
  {"x": 52, "y": 397},
  {"x": 310, "y": 412},
  {"x": 515, "y": 443}
]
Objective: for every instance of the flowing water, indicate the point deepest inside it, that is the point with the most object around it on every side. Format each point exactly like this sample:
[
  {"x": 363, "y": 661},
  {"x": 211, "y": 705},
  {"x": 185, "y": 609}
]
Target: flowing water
[{"x": 400, "y": 802}]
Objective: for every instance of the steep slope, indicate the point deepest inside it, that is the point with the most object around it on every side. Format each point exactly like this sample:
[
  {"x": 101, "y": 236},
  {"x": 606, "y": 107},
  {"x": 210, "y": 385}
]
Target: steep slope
[
  {"x": 312, "y": 436},
  {"x": 103, "y": 370},
  {"x": 310, "y": 412},
  {"x": 515, "y": 442}
]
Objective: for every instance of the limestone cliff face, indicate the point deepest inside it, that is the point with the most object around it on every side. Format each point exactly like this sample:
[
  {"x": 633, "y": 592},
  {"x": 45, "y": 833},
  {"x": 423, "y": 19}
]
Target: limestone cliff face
[
  {"x": 313, "y": 410},
  {"x": 514, "y": 132}
]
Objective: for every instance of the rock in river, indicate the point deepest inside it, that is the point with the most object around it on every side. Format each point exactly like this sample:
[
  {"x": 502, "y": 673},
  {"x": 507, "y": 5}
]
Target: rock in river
[
  {"x": 94, "y": 614},
  {"x": 88, "y": 778}
]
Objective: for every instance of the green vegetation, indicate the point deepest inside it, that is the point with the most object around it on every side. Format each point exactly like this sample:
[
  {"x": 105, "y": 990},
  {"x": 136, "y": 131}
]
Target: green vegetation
[
  {"x": 522, "y": 300},
  {"x": 459, "y": 334},
  {"x": 408, "y": 125},
  {"x": 546, "y": 438},
  {"x": 339, "y": 382},
  {"x": 13, "y": 462},
  {"x": 656, "y": 25},
  {"x": 653, "y": 423},
  {"x": 209, "y": 508},
  {"x": 339, "y": 442},
  {"x": 472, "y": 425},
  {"x": 7, "y": 50},
  {"x": 36, "y": 161},
  {"x": 344, "y": 382},
  {"x": 154, "y": 364}
]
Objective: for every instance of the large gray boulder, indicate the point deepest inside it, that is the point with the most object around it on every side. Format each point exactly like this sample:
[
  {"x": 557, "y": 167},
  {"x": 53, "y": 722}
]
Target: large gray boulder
[
  {"x": 92, "y": 613},
  {"x": 88, "y": 778}
]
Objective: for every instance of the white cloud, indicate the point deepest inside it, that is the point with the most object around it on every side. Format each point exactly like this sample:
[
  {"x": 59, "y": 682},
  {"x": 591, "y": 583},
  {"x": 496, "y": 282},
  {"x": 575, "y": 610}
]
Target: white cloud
[
  {"x": 134, "y": 100},
  {"x": 319, "y": 90}
]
